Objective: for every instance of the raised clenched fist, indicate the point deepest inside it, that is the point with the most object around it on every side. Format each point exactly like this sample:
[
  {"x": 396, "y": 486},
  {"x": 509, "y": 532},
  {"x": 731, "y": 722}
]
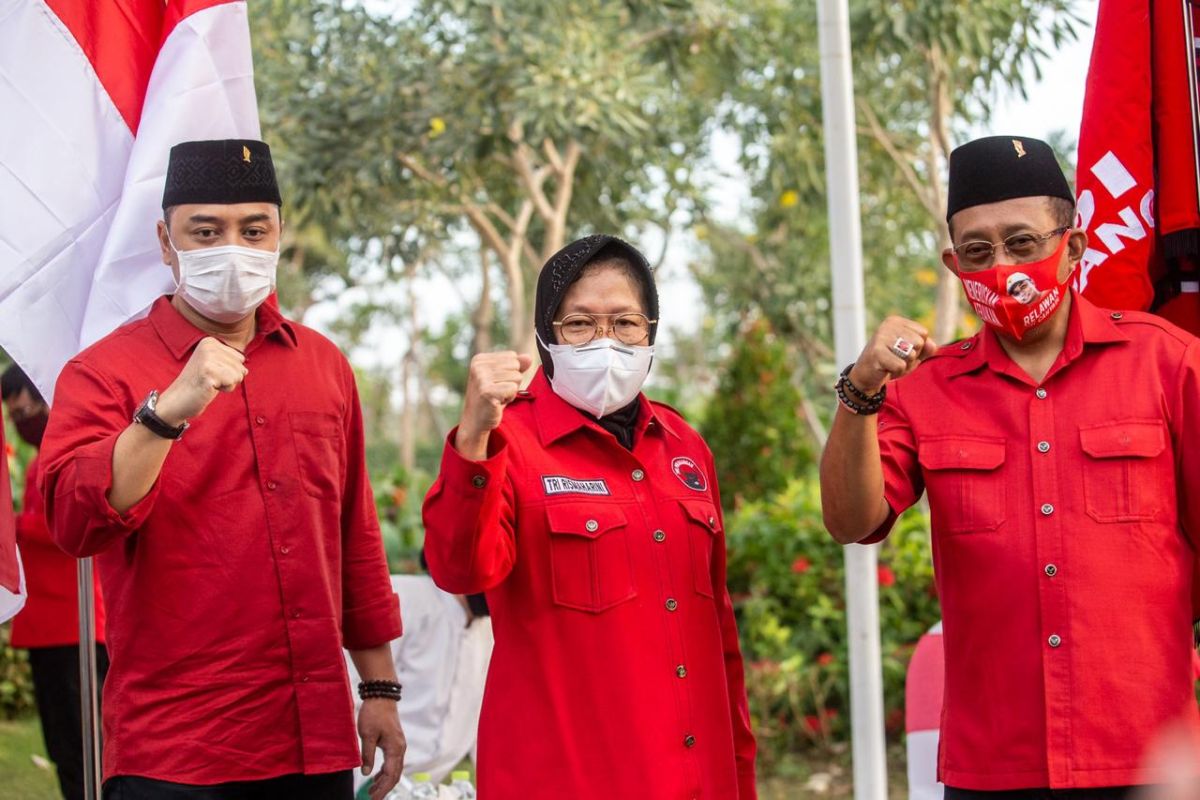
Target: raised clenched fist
[
  {"x": 214, "y": 367},
  {"x": 882, "y": 359},
  {"x": 493, "y": 380}
]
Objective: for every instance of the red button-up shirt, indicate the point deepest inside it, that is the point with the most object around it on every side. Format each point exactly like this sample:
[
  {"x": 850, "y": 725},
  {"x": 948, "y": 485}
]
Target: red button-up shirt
[
  {"x": 1064, "y": 517},
  {"x": 617, "y": 671},
  {"x": 50, "y": 617},
  {"x": 234, "y": 584}
]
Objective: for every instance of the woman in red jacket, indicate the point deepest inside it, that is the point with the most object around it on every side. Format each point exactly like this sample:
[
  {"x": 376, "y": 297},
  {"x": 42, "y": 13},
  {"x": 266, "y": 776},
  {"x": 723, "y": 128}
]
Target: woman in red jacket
[
  {"x": 591, "y": 517},
  {"x": 48, "y": 625}
]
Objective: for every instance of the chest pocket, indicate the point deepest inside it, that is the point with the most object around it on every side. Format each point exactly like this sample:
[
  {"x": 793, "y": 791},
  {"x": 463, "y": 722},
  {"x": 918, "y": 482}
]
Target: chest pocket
[
  {"x": 965, "y": 479},
  {"x": 1123, "y": 478},
  {"x": 589, "y": 556},
  {"x": 703, "y": 525},
  {"x": 319, "y": 453}
]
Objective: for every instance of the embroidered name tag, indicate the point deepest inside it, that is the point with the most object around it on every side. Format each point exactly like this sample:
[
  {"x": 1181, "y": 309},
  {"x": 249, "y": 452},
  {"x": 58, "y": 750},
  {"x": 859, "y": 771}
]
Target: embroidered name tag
[{"x": 555, "y": 484}]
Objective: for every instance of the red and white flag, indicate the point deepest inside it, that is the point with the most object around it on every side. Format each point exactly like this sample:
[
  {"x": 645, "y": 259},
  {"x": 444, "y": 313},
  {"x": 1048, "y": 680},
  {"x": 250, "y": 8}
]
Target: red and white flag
[
  {"x": 94, "y": 93},
  {"x": 1139, "y": 156}
]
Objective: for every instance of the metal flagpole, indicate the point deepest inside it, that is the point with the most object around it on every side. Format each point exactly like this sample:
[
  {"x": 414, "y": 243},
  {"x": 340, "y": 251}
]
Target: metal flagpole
[
  {"x": 89, "y": 689},
  {"x": 849, "y": 334}
]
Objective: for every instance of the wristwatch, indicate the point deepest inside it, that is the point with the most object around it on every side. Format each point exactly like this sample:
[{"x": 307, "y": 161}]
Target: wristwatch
[{"x": 146, "y": 417}]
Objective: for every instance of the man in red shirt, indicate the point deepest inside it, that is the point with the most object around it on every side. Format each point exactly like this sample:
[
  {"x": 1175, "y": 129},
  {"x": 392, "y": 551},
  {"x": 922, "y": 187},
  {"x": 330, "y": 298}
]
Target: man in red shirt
[
  {"x": 1057, "y": 450},
  {"x": 48, "y": 625},
  {"x": 591, "y": 518},
  {"x": 238, "y": 560}
]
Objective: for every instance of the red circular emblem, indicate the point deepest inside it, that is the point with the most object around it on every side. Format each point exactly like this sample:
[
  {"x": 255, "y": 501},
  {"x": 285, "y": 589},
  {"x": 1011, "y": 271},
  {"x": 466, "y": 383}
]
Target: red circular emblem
[{"x": 686, "y": 470}]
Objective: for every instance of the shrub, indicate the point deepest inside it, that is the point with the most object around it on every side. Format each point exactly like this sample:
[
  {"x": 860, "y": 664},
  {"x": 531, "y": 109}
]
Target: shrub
[{"x": 786, "y": 580}]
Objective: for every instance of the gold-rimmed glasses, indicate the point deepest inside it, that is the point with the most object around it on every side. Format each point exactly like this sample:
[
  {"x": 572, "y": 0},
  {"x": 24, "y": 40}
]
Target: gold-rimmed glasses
[{"x": 628, "y": 328}]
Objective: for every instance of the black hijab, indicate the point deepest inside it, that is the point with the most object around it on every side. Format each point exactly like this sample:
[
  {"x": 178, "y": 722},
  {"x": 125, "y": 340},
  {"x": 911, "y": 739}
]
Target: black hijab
[{"x": 562, "y": 270}]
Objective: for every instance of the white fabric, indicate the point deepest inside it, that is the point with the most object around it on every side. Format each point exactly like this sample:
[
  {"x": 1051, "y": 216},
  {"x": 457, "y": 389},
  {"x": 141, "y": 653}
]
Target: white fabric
[
  {"x": 11, "y": 604},
  {"x": 601, "y": 376},
  {"x": 442, "y": 664},
  {"x": 922, "y": 766},
  {"x": 80, "y": 197}
]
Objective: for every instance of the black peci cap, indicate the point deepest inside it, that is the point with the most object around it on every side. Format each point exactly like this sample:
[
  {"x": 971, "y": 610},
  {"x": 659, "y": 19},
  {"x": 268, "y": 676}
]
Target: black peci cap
[
  {"x": 223, "y": 171},
  {"x": 999, "y": 168}
]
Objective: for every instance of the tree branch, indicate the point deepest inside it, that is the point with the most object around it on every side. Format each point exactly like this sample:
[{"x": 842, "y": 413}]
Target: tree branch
[{"x": 877, "y": 131}]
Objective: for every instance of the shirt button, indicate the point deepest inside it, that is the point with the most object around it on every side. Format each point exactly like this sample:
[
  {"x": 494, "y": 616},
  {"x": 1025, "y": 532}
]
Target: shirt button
[
  {"x": 479, "y": 481},
  {"x": 689, "y": 741},
  {"x": 592, "y": 526},
  {"x": 1051, "y": 570},
  {"x": 712, "y": 522},
  {"x": 1043, "y": 447},
  {"x": 260, "y": 419},
  {"x": 1055, "y": 640},
  {"x": 681, "y": 671},
  {"x": 304, "y": 679},
  {"x": 296, "y": 613},
  {"x": 965, "y": 345},
  {"x": 1047, "y": 509},
  {"x": 639, "y": 475},
  {"x": 1041, "y": 394},
  {"x": 660, "y": 536},
  {"x": 1117, "y": 315},
  {"x": 285, "y": 549},
  {"x": 672, "y": 604},
  {"x": 272, "y": 485}
]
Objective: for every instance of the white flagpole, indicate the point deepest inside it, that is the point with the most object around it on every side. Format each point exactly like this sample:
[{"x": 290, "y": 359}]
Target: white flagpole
[
  {"x": 89, "y": 689},
  {"x": 849, "y": 334}
]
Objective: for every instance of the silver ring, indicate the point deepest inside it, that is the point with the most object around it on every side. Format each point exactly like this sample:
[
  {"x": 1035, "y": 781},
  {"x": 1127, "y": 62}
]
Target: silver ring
[{"x": 901, "y": 348}]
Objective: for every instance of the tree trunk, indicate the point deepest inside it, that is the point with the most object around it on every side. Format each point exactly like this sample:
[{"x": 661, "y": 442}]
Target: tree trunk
[
  {"x": 948, "y": 305},
  {"x": 484, "y": 315},
  {"x": 409, "y": 372}
]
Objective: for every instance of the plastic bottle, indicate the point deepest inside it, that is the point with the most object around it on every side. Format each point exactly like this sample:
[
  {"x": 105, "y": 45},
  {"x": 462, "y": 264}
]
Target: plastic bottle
[
  {"x": 423, "y": 788},
  {"x": 460, "y": 781}
]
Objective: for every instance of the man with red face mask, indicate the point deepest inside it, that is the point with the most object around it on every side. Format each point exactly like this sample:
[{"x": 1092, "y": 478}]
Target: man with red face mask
[{"x": 1054, "y": 449}]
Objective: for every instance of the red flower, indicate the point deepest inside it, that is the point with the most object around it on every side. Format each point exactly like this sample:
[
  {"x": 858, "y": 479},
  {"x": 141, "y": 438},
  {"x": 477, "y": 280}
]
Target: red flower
[
  {"x": 9, "y": 450},
  {"x": 801, "y": 565},
  {"x": 813, "y": 723},
  {"x": 825, "y": 659},
  {"x": 831, "y": 714},
  {"x": 886, "y": 576}
]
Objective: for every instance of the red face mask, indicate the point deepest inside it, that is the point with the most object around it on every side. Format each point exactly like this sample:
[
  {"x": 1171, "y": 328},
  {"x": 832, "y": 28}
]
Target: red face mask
[{"x": 1013, "y": 298}]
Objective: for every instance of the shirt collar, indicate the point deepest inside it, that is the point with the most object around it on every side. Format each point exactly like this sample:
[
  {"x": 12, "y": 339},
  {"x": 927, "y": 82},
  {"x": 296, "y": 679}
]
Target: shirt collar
[
  {"x": 1087, "y": 326},
  {"x": 180, "y": 336},
  {"x": 556, "y": 418}
]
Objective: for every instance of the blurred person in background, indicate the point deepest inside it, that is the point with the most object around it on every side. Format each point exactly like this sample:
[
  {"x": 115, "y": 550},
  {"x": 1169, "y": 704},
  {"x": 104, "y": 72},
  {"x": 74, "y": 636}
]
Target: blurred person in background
[{"x": 48, "y": 625}]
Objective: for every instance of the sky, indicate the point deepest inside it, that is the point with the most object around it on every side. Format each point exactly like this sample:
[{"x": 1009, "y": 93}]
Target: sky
[{"x": 1054, "y": 103}]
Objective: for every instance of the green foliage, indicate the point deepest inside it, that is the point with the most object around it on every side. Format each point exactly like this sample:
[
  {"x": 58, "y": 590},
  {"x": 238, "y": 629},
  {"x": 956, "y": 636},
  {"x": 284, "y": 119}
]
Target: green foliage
[
  {"x": 753, "y": 424},
  {"x": 786, "y": 581},
  {"x": 16, "y": 681}
]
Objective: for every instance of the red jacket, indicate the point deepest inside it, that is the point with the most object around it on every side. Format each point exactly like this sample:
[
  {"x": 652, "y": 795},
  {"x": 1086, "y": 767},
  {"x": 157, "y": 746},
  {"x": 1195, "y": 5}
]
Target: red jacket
[
  {"x": 617, "y": 671},
  {"x": 50, "y": 617},
  {"x": 233, "y": 586},
  {"x": 1065, "y": 520}
]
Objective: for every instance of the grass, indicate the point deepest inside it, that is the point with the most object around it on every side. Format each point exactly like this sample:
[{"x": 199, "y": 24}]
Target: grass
[
  {"x": 21, "y": 778},
  {"x": 815, "y": 776}
]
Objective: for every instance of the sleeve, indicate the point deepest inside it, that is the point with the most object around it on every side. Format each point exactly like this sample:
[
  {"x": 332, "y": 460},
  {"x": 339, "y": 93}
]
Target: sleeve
[
  {"x": 1185, "y": 427},
  {"x": 77, "y": 456},
  {"x": 31, "y": 521},
  {"x": 370, "y": 609},
  {"x": 470, "y": 520},
  {"x": 744, "y": 745},
  {"x": 902, "y": 481}
]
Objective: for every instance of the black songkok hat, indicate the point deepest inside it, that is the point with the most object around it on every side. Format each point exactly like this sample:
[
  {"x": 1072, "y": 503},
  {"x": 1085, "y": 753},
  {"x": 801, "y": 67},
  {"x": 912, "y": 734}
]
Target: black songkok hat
[
  {"x": 999, "y": 168},
  {"x": 223, "y": 171},
  {"x": 564, "y": 267}
]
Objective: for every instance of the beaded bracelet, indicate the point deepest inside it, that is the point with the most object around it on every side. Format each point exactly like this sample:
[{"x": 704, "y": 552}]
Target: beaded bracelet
[
  {"x": 386, "y": 690},
  {"x": 861, "y": 402}
]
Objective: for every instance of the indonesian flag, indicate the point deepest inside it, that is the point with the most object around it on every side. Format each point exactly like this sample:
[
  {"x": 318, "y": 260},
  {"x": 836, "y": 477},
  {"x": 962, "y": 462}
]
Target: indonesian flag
[
  {"x": 12, "y": 577},
  {"x": 1138, "y": 172},
  {"x": 924, "y": 688},
  {"x": 94, "y": 94}
]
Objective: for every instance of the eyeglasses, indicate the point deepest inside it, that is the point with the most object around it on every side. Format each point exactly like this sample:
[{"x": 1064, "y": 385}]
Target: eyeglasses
[
  {"x": 1022, "y": 247},
  {"x": 628, "y": 328}
]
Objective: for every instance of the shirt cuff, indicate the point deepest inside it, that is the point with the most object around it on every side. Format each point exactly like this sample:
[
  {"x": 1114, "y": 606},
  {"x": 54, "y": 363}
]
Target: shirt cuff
[
  {"x": 372, "y": 625},
  {"x": 467, "y": 478},
  {"x": 885, "y": 528},
  {"x": 93, "y": 482}
]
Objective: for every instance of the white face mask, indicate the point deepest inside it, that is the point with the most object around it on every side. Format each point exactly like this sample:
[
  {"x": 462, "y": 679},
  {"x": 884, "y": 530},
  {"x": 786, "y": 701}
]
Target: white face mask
[
  {"x": 226, "y": 284},
  {"x": 599, "y": 377}
]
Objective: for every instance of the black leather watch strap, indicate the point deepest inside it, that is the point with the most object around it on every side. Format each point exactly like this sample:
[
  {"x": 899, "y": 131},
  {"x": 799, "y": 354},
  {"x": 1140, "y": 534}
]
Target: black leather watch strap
[{"x": 151, "y": 421}]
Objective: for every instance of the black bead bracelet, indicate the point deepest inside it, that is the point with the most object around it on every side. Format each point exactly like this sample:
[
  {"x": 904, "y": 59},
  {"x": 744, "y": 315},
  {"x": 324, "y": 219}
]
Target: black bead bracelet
[
  {"x": 385, "y": 690},
  {"x": 856, "y": 400}
]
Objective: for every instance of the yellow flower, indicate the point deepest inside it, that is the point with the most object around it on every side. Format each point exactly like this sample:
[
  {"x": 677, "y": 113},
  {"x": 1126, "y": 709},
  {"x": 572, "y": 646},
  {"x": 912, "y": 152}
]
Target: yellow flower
[
  {"x": 437, "y": 126},
  {"x": 701, "y": 232},
  {"x": 789, "y": 198},
  {"x": 927, "y": 277}
]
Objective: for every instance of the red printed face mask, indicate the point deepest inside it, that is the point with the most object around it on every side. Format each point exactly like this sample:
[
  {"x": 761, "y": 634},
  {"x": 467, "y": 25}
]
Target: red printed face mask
[{"x": 1013, "y": 298}]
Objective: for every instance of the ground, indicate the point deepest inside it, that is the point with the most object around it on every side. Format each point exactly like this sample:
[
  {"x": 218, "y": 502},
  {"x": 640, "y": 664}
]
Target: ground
[{"x": 26, "y": 775}]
